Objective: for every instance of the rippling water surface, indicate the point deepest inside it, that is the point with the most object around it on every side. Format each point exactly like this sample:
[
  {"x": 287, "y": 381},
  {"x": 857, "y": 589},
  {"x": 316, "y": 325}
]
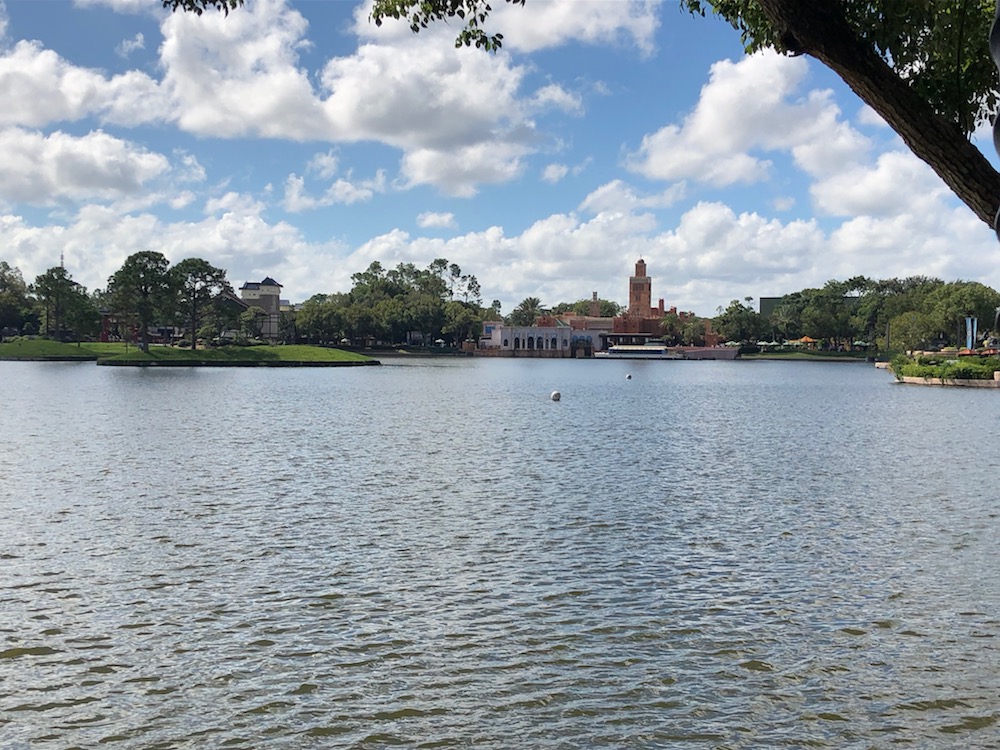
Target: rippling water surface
[{"x": 435, "y": 554}]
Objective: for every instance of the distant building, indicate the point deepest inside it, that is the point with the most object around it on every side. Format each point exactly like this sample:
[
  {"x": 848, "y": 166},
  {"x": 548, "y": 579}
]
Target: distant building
[
  {"x": 266, "y": 295},
  {"x": 641, "y": 321},
  {"x": 500, "y": 339},
  {"x": 573, "y": 335}
]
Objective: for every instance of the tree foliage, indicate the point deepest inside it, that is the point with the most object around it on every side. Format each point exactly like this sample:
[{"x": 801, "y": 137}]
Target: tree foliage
[
  {"x": 390, "y": 305},
  {"x": 16, "y": 307},
  {"x": 605, "y": 308},
  {"x": 420, "y": 14},
  {"x": 200, "y": 6},
  {"x": 67, "y": 310},
  {"x": 917, "y": 312},
  {"x": 740, "y": 322},
  {"x": 142, "y": 288},
  {"x": 198, "y": 283},
  {"x": 526, "y": 312}
]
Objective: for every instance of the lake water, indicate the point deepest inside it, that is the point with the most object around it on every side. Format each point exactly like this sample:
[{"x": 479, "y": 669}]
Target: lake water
[{"x": 434, "y": 554}]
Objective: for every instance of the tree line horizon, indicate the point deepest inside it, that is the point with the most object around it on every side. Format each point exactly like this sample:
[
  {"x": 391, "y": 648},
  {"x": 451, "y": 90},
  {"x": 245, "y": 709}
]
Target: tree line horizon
[{"x": 441, "y": 303}]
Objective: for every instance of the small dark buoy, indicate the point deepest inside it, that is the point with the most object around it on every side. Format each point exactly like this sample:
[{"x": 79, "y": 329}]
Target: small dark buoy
[{"x": 629, "y": 376}]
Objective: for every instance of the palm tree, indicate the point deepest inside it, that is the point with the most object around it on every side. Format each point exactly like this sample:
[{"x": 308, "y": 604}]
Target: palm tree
[{"x": 527, "y": 311}]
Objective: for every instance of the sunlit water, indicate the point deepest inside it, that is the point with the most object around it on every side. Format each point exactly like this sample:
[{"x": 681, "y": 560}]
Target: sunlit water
[{"x": 435, "y": 554}]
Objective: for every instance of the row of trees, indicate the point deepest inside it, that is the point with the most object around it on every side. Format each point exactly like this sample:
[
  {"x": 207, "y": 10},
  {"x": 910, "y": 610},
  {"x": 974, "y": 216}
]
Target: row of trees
[
  {"x": 438, "y": 302},
  {"x": 54, "y": 304},
  {"x": 442, "y": 303},
  {"x": 897, "y": 314},
  {"x": 145, "y": 292}
]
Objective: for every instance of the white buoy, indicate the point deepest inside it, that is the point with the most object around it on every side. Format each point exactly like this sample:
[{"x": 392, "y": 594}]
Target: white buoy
[
  {"x": 556, "y": 395},
  {"x": 629, "y": 376}
]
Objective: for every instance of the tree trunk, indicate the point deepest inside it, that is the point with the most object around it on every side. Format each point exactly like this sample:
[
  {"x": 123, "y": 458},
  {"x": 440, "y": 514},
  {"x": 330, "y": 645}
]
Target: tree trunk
[
  {"x": 819, "y": 29},
  {"x": 194, "y": 322}
]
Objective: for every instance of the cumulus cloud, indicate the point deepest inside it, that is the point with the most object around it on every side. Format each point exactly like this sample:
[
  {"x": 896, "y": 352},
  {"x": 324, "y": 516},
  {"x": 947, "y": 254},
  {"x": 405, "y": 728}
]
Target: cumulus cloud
[
  {"x": 460, "y": 171},
  {"x": 898, "y": 183},
  {"x": 44, "y": 169},
  {"x": 745, "y": 107},
  {"x": 238, "y": 76},
  {"x": 618, "y": 196},
  {"x": 557, "y": 97},
  {"x": 542, "y": 25},
  {"x": 536, "y": 26},
  {"x": 39, "y": 87},
  {"x": 341, "y": 191},
  {"x": 431, "y": 220}
]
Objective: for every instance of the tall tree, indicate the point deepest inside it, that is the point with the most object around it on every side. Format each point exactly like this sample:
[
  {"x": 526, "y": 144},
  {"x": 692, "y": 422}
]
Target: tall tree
[
  {"x": 15, "y": 303},
  {"x": 527, "y": 311},
  {"x": 198, "y": 283},
  {"x": 142, "y": 288},
  {"x": 740, "y": 322},
  {"x": 53, "y": 289}
]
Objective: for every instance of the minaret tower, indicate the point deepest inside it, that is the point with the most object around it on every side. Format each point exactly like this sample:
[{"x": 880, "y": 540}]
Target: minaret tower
[{"x": 640, "y": 292}]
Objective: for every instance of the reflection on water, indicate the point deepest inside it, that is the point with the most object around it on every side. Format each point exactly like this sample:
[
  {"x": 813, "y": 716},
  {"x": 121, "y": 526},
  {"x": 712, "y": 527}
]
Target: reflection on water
[{"x": 434, "y": 554}]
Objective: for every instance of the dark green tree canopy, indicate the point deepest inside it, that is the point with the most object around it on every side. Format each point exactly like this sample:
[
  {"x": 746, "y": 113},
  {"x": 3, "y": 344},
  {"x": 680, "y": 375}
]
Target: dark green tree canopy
[
  {"x": 198, "y": 283},
  {"x": 142, "y": 288}
]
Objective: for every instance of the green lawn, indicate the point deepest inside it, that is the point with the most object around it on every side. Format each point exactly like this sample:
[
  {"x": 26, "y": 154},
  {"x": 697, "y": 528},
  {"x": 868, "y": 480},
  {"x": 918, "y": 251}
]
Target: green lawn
[
  {"x": 45, "y": 349},
  {"x": 236, "y": 354}
]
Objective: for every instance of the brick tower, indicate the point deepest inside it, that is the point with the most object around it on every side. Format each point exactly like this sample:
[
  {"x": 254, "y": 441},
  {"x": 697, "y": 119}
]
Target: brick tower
[{"x": 640, "y": 292}]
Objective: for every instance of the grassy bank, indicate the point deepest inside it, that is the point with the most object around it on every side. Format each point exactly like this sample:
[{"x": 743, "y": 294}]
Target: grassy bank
[
  {"x": 227, "y": 356},
  {"x": 43, "y": 349}
]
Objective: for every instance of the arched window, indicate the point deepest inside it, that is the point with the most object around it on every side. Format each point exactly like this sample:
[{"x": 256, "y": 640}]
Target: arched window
[
  {"x": 517, "y": 342},
  {"x": 505, "y": 343},
  {"x": 540, "y": 344},
  {"x": 531, "y": 342}
]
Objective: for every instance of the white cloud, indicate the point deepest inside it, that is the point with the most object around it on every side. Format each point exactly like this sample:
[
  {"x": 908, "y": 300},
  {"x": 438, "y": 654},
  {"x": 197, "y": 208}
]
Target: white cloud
[
  {"x": 460, "y": 171},
  {"x": 431, "y": 220},
  {"x": 554, "y": 173},
  {"x": 899, "y": 183},
  {"x": 618, "y": 196},
  {"x": 122, "y": 6},
  {"x": 556, "y": 96},
  {"x": 324, "y": 165},
  {"x": 341, "y": 191},
  {"x": 238, "y": 76},
  {"x": 190, "y": 169},
  {"x": 39, "y": 87},
  {"x": 540, "y": 25},
  {"x": 748, "y": 106},
  {"x": 43, "y": 169},
  {"x": 128, "y": 46}
]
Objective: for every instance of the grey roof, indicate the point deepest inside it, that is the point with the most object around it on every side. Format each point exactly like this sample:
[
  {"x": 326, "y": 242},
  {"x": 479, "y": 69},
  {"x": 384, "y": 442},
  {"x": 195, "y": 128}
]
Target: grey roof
[{"x": 268, "y": 281}]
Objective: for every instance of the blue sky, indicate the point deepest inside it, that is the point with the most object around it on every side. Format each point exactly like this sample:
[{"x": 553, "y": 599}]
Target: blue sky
[{"x": 294, "y": 139}]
